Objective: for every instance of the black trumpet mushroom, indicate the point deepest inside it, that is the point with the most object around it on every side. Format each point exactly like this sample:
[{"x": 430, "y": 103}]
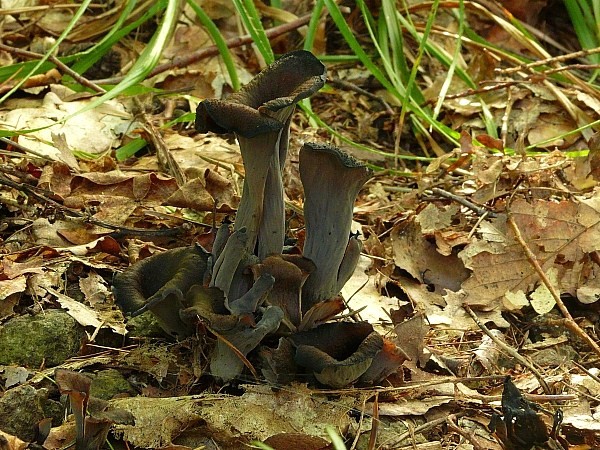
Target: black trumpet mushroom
[
  {"x": 260, "y": 115},
  {"x": 159, "y": 283},
  {"x": 247, "y": 288},
  {"x": 331, "y": 181}
]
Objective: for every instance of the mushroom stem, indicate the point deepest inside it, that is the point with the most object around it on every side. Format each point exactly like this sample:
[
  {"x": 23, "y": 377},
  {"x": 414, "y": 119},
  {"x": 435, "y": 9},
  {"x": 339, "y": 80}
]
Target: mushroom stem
[
  {"x": 271, "y": 234},
  {"x": 225, "y": 363},
  {"x": 349, "y": 260},
  {"x": 260, "y": 115},
  {"x": 331, "y": 180},
  {"x": 258, "y": 172}
]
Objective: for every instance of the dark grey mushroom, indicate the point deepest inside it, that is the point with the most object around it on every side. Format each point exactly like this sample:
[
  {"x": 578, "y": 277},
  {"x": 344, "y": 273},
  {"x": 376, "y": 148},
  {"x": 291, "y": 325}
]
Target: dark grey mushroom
[
  {"x": 331, "y": 181},
  {"x": 159, "y": 283},
  {"x": 225, "y": 362},
  {"x": 342, "y": 353},
  {"x": 259, "y": 114},
  {"x": 289, "y": 276},
  {"x": 226, "y": 266},
  {"x": 349, "y": 261},
  {"x": 337, "y": 354},
  {"x": 233, "y": 324},
  {"x": 93, "y": 416}
]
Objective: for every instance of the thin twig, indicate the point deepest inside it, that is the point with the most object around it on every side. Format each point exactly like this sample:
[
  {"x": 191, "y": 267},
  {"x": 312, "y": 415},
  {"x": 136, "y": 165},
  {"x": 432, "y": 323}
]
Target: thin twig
[
  {"x": 418, "y": 430},
  {"x": 569, "y": 321},
  {"x": 479, "y": 210},
  {"x": 375, "y": 424},
  {"x": 24, "y": 149},
  {"x": 360, "y": 422},
  {"x": 452, "y": 421},
  {"x": 57, "y": 62},
  {"x": 207, "y": 52},
  {"x": 353, "y": 87},
  {"x": 508, "y": 349},
  {"x": 549, "y": 61}
]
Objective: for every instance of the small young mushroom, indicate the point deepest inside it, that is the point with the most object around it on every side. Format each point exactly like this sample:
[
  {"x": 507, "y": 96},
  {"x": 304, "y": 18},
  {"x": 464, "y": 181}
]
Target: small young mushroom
[
  {"x": 226, "y": 265},
  {"x": 287, "y": 290},
  {"x": 259, "y": 115},
  {"x": 331, "y": 180},
  {"x": 225, "y": 363},
  {"x": 386, "y": 362},
  {"x": 93, "y": 416},
  {"x": 349, "y": 260},
  {"x": 233, "y": 324}
]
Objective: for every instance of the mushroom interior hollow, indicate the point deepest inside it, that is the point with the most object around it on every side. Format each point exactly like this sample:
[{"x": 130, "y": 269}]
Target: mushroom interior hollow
[{"x": 338, "y": 339}]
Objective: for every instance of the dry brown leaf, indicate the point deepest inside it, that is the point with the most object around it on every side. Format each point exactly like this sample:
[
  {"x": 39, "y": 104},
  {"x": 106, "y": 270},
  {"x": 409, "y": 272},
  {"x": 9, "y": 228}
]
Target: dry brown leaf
[
  {"x": 94, "y": 289},
  {"x": 192, "y": 194},
  {"x": 563, "y": 236},
  {"x": 420, "y": 258},
  {"x": 86, "y": 316},
  {"x": 10, "y": 442},
  {"x": 10, "y": 291}
]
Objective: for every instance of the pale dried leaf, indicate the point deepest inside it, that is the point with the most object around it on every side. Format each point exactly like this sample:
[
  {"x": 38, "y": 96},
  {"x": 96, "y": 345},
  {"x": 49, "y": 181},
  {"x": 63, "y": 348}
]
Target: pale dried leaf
[{"x": 86, "y": 316}]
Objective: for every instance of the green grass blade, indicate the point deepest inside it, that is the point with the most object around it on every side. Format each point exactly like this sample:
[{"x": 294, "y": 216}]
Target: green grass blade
[
  {"x": 52, "y": 49},
  {"x": 396, "y": 40},
  {"x": 217, "y": 38},
  {"x": 130, "y": 149},
  {"x": 313, "y": 25},
  {"x": 80, "y": 60},
  {"x": 251, "y": 20},
  {"x": 340, "y": 22},
  {"x": 93, "y": 54},
  {"x": 336, "y": 439},
  {"x": 147, "y": 60},
  {"x": 584, "y": 24}
]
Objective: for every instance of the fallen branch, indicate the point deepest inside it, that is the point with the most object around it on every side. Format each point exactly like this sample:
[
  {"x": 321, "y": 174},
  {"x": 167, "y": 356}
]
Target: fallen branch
[
  {"x": 508, "y": 349},
  {"x": 569, "y": 321},
  {"x": 207, "y": 52},
  {"x": 63, "y": 68}
]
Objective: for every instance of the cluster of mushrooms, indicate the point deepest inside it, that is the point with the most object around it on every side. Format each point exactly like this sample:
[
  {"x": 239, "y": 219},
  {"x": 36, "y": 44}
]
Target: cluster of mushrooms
[{"x": 249, "y": 291}]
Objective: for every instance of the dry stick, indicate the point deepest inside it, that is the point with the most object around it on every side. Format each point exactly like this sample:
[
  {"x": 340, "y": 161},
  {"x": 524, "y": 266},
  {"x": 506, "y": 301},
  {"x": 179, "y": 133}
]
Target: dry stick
[
  {"x": 57, "y": 62},
  {"x": 238, "y": 353},
  {"x": 452, "y": 422},
  {"x": 479, "y": 210},
  {"x": 353, "y": 87},
  {"x": 548, "y": 61},
  {"x": 360, "y": 422},
  {"x": 183, "y": 61},
  {"x": 498, "y": 85},
  {"x": 24, "y": 149},
  {"x": 508, "y": 349},
  {"x": 374, "y": 424},
  {"x": 418, "y": 430},
  {"x": 484, "y": 90},
  {"x": 569, "y": 321},
  {"x": 594, "y": 377}
]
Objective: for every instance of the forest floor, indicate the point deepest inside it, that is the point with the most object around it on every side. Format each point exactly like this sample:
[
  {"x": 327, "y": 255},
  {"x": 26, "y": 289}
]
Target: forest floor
[{"x": 480, "y": 230}]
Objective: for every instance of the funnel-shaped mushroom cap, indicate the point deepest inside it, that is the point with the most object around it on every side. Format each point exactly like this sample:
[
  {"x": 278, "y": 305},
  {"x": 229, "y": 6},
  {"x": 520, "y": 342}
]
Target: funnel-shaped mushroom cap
[
  {"x": 93, "y": 416},
  {"x": 337, "y": 353},
  {"x": 293, "y": 77},
  {"x": 259, "y": 114},
  {"x": 225, "y": 363},
  {"x": 331, "y": 180},
  {"x": 159, "y": 283},
  {"x": 225, "y": 116}
]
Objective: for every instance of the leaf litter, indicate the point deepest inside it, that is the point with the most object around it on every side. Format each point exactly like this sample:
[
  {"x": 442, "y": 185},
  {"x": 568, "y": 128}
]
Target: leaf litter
[{"x": 427, "y": 256}]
